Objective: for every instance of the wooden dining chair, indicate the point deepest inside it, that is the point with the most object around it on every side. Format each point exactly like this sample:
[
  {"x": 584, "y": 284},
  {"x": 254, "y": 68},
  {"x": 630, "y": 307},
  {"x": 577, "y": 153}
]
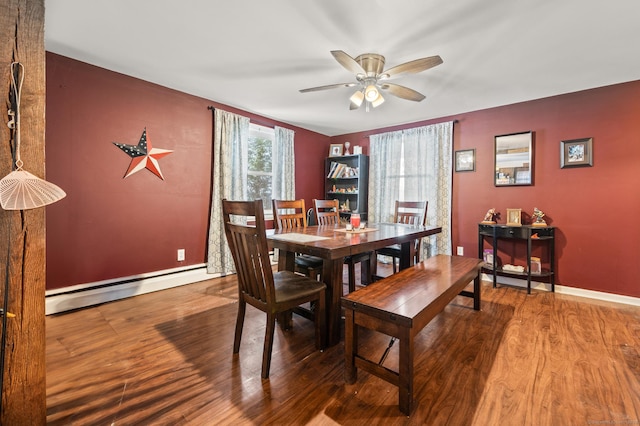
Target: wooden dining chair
[
  {"x": 327, "y": 214},
  {"x": 408, "y": 213},
  {"x": 272, "y": 293},
  {"x": 288, "y": 214}
]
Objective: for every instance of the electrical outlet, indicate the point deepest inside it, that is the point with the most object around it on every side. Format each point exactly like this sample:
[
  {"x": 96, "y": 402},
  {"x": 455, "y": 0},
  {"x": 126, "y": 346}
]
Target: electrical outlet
[
  {"x": 460, "y": 251},
  {"x": 180, "y": 255}
]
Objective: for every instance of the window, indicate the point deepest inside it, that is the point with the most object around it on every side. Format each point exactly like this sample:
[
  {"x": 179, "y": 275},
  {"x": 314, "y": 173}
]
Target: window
[{"x": 260, "y": 166}]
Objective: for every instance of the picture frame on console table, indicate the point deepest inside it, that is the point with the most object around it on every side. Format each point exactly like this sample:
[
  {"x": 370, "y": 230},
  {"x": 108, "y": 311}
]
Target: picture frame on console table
[
  {"x": 514, "y": 217},
  {"x": 576, "y": 153}
]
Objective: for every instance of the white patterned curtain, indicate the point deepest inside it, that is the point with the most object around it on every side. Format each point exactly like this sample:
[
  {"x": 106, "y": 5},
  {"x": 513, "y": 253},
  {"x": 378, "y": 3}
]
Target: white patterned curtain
[
  {"x": 385, "y": 154},
  {"x": 423, "y": 157},
  {"x": 283, "y": 165},
  {"x": 230, "y": 153}
]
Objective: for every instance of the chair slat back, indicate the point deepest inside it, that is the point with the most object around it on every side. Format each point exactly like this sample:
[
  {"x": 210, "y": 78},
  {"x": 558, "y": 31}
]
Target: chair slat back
[
  {"x": 326, "y": 212},
  {"x": 411, "y": 212},
  {"x": 289, "y": 214},
  {"x": 249, "y": 248}
]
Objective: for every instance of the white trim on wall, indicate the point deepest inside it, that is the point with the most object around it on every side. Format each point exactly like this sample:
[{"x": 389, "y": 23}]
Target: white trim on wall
[
  {"x": 573, "y": 291},
  {"x": 83, "y": 295}
]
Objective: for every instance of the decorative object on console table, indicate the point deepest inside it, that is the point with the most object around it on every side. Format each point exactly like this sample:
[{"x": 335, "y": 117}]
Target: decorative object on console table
[
  {"x": 490, "y": 216},
  {"x": 535, "y": 237},
  {"x": 538, "y": 214},
  {"x": 466, "y": 160},
  {"x": 514, "y": 217},
  {"x": 576, "y": 153},
  {"x": 347, "y": 180}
]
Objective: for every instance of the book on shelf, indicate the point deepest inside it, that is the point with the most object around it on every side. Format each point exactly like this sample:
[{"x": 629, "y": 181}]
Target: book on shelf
[{"x": 341, "y": 170}]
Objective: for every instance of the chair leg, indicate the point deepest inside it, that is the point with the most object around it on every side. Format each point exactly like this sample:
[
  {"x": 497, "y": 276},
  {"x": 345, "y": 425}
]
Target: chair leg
[
  {"x": 268, "y": 345},
  {"x": 242, "y": 307},
  {"x": 352, "y": 277},
  {"x": 321, "y": 323}
]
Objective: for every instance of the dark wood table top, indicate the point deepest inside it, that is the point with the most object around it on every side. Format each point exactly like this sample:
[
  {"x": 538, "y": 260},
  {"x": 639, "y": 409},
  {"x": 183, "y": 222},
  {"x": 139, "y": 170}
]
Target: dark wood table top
[{"x": 332, "y": 242}]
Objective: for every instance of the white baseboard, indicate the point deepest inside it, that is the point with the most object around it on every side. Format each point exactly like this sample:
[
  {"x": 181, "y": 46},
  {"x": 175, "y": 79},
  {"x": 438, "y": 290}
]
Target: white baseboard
[
  {"x": 573, "y": 291},
  {"x": 83, "y": 295}
]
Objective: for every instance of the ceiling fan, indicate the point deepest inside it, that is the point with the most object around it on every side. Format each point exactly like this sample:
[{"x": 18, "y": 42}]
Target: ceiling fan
[{"x": 371, "y": 79}]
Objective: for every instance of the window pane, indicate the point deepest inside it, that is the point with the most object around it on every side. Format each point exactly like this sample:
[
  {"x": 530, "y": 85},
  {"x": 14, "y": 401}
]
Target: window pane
[
  {"x": 259, "y": 187},
  {"x": 260, "y": 154},
  {"x": 259, "y": 173}
]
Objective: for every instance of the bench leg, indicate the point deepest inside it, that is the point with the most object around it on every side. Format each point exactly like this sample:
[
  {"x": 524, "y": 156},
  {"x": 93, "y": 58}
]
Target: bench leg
[
  {"x": 350, "y": 347},
  {"x": 405, "y": 376}
]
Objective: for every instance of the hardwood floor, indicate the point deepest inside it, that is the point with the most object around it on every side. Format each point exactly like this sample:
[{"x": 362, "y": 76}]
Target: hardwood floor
[{"x": 165, "y": 358}]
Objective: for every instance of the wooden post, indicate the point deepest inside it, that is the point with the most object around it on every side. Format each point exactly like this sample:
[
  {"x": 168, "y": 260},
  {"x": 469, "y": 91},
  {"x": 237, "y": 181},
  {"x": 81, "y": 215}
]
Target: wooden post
[{"x": 22, "y": 233}]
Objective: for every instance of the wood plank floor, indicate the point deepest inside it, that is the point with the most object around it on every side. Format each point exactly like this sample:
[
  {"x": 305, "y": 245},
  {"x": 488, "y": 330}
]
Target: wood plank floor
[{"x": 165, "y": 358}]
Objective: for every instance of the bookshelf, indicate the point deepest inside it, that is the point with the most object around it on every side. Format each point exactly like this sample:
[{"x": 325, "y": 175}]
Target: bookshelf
[{"x": 347, "y": 179}]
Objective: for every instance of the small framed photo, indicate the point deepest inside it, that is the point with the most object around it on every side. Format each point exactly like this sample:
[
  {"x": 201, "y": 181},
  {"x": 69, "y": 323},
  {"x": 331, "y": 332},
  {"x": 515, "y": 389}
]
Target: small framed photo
[
  {"x": 466, "y": 160},
  {"x": 576, "y": 153},
  {"x": 335, "y": 150},
  {"x": 514, "y": 217}
]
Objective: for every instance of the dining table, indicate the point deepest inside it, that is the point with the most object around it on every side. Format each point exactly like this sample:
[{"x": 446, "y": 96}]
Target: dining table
[{"x": 333, "y": 243}]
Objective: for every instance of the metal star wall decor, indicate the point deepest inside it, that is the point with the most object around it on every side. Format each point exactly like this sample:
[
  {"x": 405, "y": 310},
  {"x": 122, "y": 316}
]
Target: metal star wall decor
[{"x": 143, "y": 156}]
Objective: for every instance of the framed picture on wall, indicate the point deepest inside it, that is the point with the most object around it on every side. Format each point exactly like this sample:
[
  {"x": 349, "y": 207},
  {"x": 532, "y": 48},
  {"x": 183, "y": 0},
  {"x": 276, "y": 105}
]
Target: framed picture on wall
[
  {"x": 576, "y": 153},
  {"x": 335, "y": 150},
  {"x": 466, "y": 160}
]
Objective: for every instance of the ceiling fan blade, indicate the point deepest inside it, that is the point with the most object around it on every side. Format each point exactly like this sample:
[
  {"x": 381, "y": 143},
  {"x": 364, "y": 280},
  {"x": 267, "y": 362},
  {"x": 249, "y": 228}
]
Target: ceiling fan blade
[
  {"x": 412, "y": 67},
  {"x": 348, "y": 62},
  {"x": 402, "y": 92},
  {"x": 329, "y": 86}
]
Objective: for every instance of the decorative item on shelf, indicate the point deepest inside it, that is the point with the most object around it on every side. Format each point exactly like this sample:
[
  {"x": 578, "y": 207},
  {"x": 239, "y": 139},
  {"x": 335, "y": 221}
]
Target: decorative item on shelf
[
  {"x": 346, "y": 148},
  {"x": 487, "y": 256},
  {"x": 513, "y": 268},
  {"x": 536, "y": 266},
  {"x": 335, "y": 150},
  {"x": 514, "y": 217},
  {"x": 357, "y": 149},
  {"x": 538, "y": 214},
  {"x": 489, "y": 217},
  {"x": 344, "y": 207}
]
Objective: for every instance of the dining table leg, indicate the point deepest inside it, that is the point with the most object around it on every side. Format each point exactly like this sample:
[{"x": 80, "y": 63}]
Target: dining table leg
[
  {"x": 332, "y": 276},
  {"x": 407, "y": 255}
]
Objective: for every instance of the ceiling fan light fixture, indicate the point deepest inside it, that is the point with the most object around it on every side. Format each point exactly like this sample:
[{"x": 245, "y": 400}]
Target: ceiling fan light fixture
[
  {"x": 357, "y": 98},
  {"x": 371, "y": 93},
  {"x": 377, "y": 101}
]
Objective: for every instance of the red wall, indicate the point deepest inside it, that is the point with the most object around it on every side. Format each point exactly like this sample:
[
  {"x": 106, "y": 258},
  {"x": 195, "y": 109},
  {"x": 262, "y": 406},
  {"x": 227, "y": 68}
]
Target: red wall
[
  {"x": 109, "y": 227},
  {"x": 597, "y": 240}
]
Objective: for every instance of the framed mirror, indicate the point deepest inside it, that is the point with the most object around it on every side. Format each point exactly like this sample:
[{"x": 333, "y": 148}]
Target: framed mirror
[{"x": 514, "y": 159}]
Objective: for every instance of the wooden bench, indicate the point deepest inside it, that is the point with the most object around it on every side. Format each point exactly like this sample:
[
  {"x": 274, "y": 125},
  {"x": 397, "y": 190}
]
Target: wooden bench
[{"x": 400, "y": 306}]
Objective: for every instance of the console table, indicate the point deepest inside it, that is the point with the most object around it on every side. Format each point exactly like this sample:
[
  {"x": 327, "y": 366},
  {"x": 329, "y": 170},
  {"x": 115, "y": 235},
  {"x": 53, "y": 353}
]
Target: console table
[{"x": 532, "y": 235}]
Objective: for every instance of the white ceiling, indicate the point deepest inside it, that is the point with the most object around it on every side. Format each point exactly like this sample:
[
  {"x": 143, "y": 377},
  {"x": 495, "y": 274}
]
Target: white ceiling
[{"x": 255, "y": 55}]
